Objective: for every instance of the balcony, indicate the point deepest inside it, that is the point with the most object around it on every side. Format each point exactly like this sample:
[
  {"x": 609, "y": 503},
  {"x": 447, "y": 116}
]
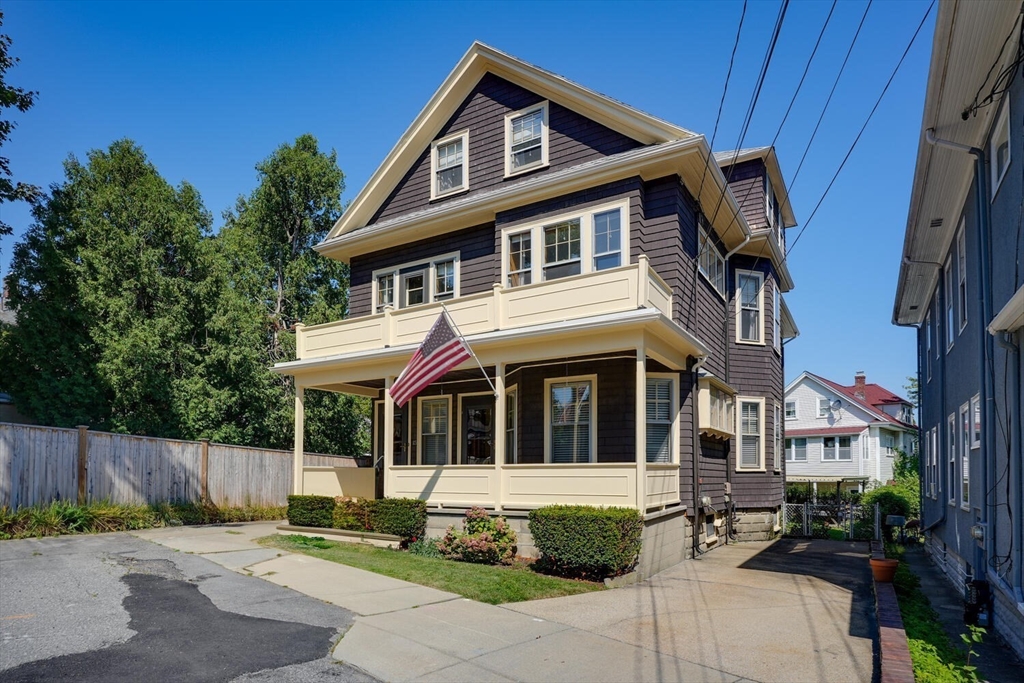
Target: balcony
[{"x": 581, "y": 296}]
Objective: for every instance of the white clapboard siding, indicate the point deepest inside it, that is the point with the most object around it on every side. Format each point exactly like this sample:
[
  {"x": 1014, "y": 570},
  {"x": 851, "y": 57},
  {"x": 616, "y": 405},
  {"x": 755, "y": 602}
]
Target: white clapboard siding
[{"x": 37, "y": 464}]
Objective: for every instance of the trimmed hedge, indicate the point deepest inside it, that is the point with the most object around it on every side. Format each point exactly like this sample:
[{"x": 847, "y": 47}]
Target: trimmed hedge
[
  {"x": 314, "y": 511},
  {"x": 404, "y": 517},
  {"x": 587, "y": 542},
  {"x": 353, "y": 514}
]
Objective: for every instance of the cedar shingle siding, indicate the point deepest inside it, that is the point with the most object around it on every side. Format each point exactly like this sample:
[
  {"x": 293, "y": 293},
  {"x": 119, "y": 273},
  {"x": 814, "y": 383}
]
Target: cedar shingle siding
[{"x": 573, "y": 139}]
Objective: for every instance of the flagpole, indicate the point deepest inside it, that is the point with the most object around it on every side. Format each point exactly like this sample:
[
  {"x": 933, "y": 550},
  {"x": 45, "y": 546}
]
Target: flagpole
[{"x": 471, "y": 351}]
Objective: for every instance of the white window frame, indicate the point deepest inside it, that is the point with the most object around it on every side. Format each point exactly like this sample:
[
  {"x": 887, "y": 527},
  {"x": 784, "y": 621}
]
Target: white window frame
[
  {"x": 462, "y": 136},
  {"x": 673, "y": 446},
  {"x": 548, "y": 455},
  {"x": 709, "y": 258},
  {"x": 544, "y": 148},
  {"x": 832, "y": 454},
  {"x": 935, "y": 464},
  {"x": 777, "y": 451},
  {"x": 965, "y": 456},
  {"x": 420, "y": 400},
  {"x": 769, "y": 200},
  {"x": 950, "y": 315},
  {"x": 796, "y": 411},
  {"x": 791, "y": 449},
  {"x": 928, "y": 343},
  {"x": 951, "y": 457},
  {"x": 586, "y": 219},
  {"x": 760, "y": 307},
  {"x": 379, "y": 307},
  {"x": 1002, "y": 121},
  {"x": 429, "y": 267},
  {"x": 828, "y": 407},
  {"x": 511, "y": 406},
  {"x": 961, "y": 268},
  {"x": 623, "y": 236},
  {"x": 776, "y": 318},
  {"x": 976, "y": 421},
  {"x": 927, "y": 451},
  {"x": 760, "y": 401}
]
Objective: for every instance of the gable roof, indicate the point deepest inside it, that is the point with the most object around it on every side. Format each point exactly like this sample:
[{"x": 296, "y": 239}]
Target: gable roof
[
  {"x": 771, "y": 162},
  {"x": 874, "y": 396},
  {"x": 477, "y": 61}
]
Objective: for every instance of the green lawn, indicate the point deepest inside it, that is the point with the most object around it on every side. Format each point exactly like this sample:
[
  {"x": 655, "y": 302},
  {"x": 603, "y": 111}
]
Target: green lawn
[{"x": 484, "y": 583}]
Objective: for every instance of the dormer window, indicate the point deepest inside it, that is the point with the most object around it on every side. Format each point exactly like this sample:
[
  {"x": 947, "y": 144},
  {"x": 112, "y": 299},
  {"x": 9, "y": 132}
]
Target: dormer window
[
  {"x": 449, "y": 165},
  {"x": 526, "y": 139}
]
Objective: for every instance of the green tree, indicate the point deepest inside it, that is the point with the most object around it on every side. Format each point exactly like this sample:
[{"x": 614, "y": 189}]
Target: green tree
[
  {"x": 22, "y": 100},
  {"x": 912, "y": 390}
]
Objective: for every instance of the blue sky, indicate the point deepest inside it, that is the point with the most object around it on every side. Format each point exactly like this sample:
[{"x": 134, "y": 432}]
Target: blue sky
[{"x": 209, "y": 89}]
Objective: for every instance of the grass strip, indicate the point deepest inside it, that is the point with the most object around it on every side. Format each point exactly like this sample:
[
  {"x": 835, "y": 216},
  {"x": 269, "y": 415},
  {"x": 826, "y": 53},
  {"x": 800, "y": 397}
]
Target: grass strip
[{"x": 484, "y": 583}]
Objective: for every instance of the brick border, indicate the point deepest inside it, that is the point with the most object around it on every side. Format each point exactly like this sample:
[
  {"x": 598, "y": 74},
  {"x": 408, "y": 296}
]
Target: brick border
[{"x": 894, "y": 652}]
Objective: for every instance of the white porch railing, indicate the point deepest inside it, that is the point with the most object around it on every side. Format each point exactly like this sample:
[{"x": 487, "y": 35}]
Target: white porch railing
[{"x": 580, "y": 296}]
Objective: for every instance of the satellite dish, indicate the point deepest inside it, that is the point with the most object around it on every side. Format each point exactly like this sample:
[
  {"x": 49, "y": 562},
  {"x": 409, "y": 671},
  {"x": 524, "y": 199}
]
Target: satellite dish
[{"x": 836, "y": 404}]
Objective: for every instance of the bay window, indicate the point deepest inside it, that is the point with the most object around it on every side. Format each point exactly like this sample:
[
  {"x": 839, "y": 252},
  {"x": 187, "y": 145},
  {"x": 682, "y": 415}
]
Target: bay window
[{"x": 751, "y": 434}]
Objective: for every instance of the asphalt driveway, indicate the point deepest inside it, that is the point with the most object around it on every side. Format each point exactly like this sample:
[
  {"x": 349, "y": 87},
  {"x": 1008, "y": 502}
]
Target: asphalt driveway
[{"x": 115, "y": 607}]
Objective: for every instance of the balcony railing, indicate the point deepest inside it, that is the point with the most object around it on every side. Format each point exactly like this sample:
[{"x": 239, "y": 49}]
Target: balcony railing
[{"x": 579, "y": 296}]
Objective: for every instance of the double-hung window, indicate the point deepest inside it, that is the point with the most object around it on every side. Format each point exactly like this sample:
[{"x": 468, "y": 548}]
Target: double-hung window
[
  {"x": 837, "y": 448},
  {"x": 928, "y": 343},
  {"x": 824, "y": 407},
  {"x": 961, "y": 255},
  {"x": 749, "y": 307},
  {"x": 796, "y": 450},
  {"x": 751, "y": 434},
  {"x": 965, "y": 455},
  {"x": 434, "y": 431},
  {"x": 449, "y": 165},
  {"x": 414, "y": 289},
  {"x": 951, "y": 453},
  {"x": 777, "y": 442},
  {"x": 511, "y": 424},
  {"x": 412, "y": 284},
  {"x": 571, "y": 424},
  {"x": 711, "y": 263},
  {"x": 570, "y": 244},
  {"x": 790, "y": 410},
  {"x": 950, "y": 324},
  {"x": 776, "y": 320},
  {"x": 976, "y": 421},
  {"x": 660, "y": 419},
  {"x": 385, "y": 285},
  {"x": 937, "y": 491},
  {"x": 999, "y": 147},
  {"x": 444, "y": 280},
  {"x": 526, "y": 139}
]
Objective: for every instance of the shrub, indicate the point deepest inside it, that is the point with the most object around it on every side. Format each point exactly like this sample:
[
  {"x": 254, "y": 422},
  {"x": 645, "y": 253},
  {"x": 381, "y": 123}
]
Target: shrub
[
  {"x": 482, "y": 541},
  {"x": 353, "y": 514},
  {"x": 403, "y": 517},
  {"x": 587, "y": 542},
  {"x": 425, "y": 547},
  {"x": 311, "y": 511},
  {"x": 892, "y": 500}
]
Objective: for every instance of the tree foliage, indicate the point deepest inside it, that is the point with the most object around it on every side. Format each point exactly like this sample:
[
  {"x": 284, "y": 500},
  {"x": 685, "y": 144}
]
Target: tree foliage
[{"x": 22, "y": 100}]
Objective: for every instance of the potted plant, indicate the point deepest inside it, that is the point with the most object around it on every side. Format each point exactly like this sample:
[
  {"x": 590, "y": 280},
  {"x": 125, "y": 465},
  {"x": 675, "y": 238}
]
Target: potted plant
[{"x": 884, "y": 569}]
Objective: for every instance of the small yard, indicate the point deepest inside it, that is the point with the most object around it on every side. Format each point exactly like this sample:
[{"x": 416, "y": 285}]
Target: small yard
[{"x": 484, "y": 583}]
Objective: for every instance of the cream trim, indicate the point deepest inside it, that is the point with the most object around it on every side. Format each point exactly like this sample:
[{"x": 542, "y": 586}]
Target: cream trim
[
  {"x": 429, "y": 267},
  {"x": 760, "y": 307},
  {"x": 460, "y": 437},
  {"x": 673, "y": 377},
  {"x": 511, "y": 392},
  {"x": 592, "y": 456},
  {"x": 740, "y": 400},
  {"x": 461, "y": 135},
  {"x": 419, "y": 428},
  {"x": 544, "y": 147}
]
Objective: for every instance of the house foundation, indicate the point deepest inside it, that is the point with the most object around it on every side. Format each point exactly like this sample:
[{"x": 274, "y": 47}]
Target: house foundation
[{"x": 755, "y": 525}]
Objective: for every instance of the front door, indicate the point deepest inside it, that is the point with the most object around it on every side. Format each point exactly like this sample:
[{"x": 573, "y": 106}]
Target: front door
[{"x": 478, "y": 430}]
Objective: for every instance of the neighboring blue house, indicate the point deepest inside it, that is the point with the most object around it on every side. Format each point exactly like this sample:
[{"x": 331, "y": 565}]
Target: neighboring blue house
[{"x": 960, "y": 284}]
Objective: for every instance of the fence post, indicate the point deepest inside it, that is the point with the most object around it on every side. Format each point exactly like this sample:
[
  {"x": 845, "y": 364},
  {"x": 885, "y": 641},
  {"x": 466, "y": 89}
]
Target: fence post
[
  {"x": 83, "y": 464},
  {"x": 878, "y": 523},
  {"x": 204, "y": 470},
  {"x": 849, "y": 519},
  {"x": 807, "y": 514}
]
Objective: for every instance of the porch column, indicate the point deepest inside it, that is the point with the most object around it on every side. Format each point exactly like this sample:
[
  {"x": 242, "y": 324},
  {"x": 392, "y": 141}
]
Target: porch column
[
  {"x": 389, "y": 435},
  {"x": 300, "y": 426},
  {"x": 641, "y": 427},
  {"x": 499, "y": 427}
]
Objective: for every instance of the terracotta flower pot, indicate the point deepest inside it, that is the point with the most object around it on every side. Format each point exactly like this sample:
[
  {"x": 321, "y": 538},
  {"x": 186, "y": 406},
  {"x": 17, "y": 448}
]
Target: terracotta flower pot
[{"x": 884, "y": 570}]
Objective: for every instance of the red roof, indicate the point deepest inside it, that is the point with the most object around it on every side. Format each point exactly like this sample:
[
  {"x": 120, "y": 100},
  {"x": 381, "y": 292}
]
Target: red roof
[
  {"x": 826, "y": 431},
  {"x": 875, "y": 396}
]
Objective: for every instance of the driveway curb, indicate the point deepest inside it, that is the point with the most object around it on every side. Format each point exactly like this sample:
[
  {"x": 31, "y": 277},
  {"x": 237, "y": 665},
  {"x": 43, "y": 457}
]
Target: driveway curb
[{"x": 894, "y": 651}]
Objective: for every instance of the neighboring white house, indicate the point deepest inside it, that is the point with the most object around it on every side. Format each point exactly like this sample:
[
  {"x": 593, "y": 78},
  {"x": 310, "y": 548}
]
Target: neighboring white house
[{"x": 845, "y": 435}]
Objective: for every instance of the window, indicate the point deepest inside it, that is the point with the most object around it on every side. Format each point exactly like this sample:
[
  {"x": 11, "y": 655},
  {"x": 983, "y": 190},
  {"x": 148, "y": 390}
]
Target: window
[
  {"x": 519, "y": 260},
  {"x": 526, "y": 139},
  {"x": 976, "y": 421},
  {"x": 796, "y": 450},
  {"x": 711, "y": 263},
  {"x": 790, "y": 410},
  {"x": 888, "y": 442},
  {"x": 777, "y": 430},
  {"x": 769, "y": 201},
  {"x": 449, "y": 165},
  {"x": 714, "y": 410},
  {"x": 751, "y": 431},
  {"x": 999, "y": 148},
  {"x": 571, "y": 426},
  {"x": 961, "y": 255},
  {"x": 949, "y": 303},
  {"x": 562, "y": 249},
  {"x": 837, "y": 448},
  {"x": 824, "y": 407},
  {"x": 776, "y": 320},
  {"x": 935, "y": 463},
  {"x": 607, "y": 240},
  {"x": 928, "y": 343},
  {"x": 434, "y": 430},
  {"x": 928, "y": 483},
  {"x": 749, "y": 307},
  {"x": 511, "y": 424},
  {"x": 951, "y": 454},
  {"x": 580, "y": 242},
  {"x": 965, "y": 455},
  {"x": 660, "y": 417},
  {"x": 412, "y": 284}
]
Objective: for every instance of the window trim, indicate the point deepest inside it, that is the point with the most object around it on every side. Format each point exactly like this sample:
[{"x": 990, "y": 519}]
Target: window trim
[
  {"x": 976, "y": 421},
  {"x": 1003, "y": 119},
  {"x": 462, "y": 135},
  {"x": 796, "y": 409},
  {"x": 935, "y": 463},
  {"x": 548, "y": 381},
  {"x": 511, "y": 399},
  {"x": 419, "y": 428},
  {"x": 961, "y": 280},
  {"x": 760, "y": 341},
  {"x": 544, "y": 147},
  {"x": 835, "y": 449},
  {"x": 965, "y": 456},
  {"x": 828, "y": 407},
  {"x": 674, "y": 411},
  {"x": 950, "y": 314},
  {"x": 586, "y": 217},
  {"x": 594, "y": 253},
  {"x": 951, "y": 457},
  {"x": 459, "y": 455},
  {"x": 777, "y": 320},
  {"x": 740, "y": 400},
  {"x": 791, "y": 449},
  {"x": 430, "y": 270},
  {"x": 707, "y": 245},
  {"x": 928, "y": 343}
]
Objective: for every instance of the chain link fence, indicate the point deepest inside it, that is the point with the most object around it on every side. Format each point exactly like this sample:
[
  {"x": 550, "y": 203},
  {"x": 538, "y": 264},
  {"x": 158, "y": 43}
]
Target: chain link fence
[{"x": 836, "y": 521}]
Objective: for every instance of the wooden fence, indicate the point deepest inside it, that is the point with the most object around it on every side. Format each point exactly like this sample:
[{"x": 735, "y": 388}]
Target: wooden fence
[{"x": 39, "y": 465}]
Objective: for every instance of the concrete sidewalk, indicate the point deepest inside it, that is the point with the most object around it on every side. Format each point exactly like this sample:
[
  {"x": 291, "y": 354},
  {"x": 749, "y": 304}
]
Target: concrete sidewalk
[{"x": 712, "y": 619}]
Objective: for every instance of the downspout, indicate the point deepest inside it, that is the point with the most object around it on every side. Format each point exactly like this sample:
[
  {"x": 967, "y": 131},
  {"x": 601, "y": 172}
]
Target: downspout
[
  {"x": 1016, "y": 463},
  {"x": 695, "y": 532},
  {"x": 982, "y": 554}
]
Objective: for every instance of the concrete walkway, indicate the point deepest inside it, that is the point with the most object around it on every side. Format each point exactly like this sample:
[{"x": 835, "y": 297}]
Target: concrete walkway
[{"x": 763, "y": 612}]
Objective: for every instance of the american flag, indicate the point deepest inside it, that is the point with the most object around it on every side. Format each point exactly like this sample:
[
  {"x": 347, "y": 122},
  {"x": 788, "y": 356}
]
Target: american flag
[{"x": 441, "y": 351}]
